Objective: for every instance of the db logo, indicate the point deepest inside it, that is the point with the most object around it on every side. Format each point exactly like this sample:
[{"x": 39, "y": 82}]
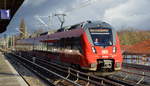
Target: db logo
[{"x": 104, "y": 51}]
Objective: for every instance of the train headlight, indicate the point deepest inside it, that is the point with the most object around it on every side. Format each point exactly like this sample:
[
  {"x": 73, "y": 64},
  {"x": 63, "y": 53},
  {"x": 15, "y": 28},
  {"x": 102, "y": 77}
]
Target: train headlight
[
  {"x": 94, "y": 50},
  {"x": 114, "y": 50}
]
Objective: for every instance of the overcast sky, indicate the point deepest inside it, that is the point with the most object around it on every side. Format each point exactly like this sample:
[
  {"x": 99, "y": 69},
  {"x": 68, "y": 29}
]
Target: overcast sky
[{"x": 119, "y": 13}]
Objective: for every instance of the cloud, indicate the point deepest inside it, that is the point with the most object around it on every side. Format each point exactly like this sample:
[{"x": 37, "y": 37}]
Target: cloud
[
  {"x": 132, "y": 13},
  {"x": 34, "y": 2},
  {"x": 119, "y": 13},
  {"x": 89, "y": 10}
]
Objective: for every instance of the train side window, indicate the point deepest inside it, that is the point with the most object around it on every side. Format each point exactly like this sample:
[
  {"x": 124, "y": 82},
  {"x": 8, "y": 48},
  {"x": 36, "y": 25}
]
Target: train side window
[{"x": 76, "y": 44}]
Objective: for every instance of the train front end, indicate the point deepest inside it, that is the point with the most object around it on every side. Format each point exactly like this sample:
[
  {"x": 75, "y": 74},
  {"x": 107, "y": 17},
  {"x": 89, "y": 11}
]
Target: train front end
[{"x": 101, "y": 48}]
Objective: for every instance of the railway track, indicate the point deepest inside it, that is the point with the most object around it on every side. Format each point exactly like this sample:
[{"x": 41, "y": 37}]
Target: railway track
[
  {"x": 15, "y": 61},
  {"x": 67, "y": 76},
  {"x": 140, "y": 80},
  {"x": 124, "y": 80},
  {"x": 134, "y": 74}
]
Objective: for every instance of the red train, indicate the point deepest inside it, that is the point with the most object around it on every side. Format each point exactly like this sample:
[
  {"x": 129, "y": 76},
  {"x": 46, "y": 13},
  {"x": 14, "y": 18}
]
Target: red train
[{"x": 91, "y": 45}]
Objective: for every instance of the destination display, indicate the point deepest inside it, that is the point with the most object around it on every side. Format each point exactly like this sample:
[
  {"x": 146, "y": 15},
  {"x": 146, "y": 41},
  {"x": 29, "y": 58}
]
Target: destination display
[{"x": 99, "y": 30}]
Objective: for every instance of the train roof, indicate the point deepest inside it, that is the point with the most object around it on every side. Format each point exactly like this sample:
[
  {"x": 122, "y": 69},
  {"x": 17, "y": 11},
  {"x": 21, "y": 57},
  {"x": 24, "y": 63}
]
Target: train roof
[
  {"x": 65, "y": 34},
  {"x": 52, "y": 37},
  {"x": 90, "y": 24},
  {"x": 77, "y": 30},
  {"x": 69, "y": 32},
  {"x": 87, "y": 24}
]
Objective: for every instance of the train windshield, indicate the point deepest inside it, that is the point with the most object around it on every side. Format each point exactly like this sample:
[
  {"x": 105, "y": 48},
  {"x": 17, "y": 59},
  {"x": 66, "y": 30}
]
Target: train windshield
[{"x": 101, "y": 36}]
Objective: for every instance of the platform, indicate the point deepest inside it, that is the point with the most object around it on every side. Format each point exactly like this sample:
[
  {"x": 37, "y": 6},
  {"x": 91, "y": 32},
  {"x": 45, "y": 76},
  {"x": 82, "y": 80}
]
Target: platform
[{"x": 8, "y": 75}]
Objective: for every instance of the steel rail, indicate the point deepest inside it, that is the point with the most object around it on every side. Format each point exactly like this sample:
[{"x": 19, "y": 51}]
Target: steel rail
[
  {"x": 48, "y": 71},
  {"x": 78, "y": 77},
  {"x": 34, "y": 71},
  {"x": 137, "y": 66},
  {"x": 80, "y": 73},
  {"x": 135, "y": 73},
  {"x": 19, "y": 72},
  {"x": 58, "y": 67}
]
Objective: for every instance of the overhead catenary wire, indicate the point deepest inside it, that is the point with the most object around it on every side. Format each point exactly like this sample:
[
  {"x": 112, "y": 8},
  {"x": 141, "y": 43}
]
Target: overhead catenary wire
[
  {"x": 81, "y": 5},
  {"x": 61, "y": 15}
]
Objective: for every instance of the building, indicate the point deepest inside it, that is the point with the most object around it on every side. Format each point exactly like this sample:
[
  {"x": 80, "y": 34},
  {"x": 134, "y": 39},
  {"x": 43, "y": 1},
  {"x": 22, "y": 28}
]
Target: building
[{"x": 23, "y": 30}]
